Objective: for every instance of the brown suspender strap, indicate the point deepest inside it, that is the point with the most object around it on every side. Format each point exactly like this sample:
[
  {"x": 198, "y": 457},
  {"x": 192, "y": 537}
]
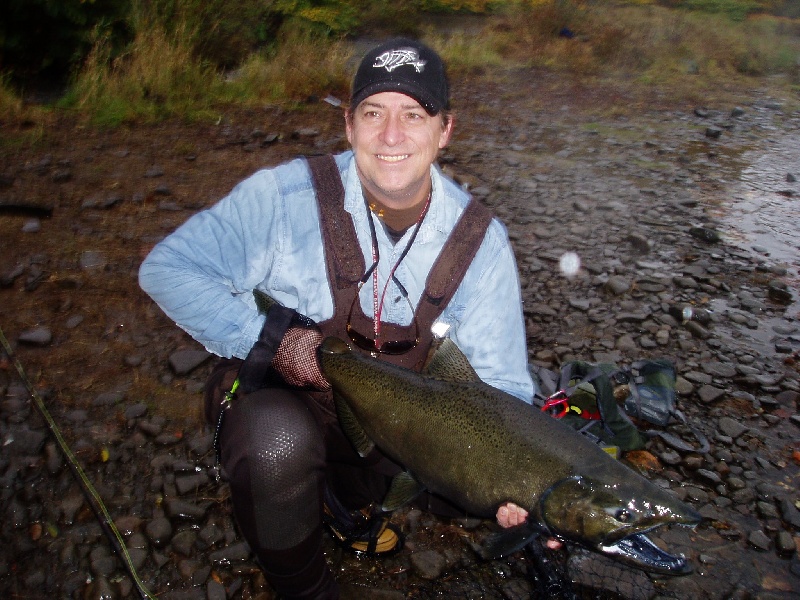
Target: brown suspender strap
[
  {"x": 337, "y": 225},
  {"x": 345, "y": 263},
  {"x": 454, "y": 260}
]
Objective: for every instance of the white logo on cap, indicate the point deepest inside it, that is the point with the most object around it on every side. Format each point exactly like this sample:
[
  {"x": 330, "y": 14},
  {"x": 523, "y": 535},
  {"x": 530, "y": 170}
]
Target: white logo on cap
[{"x": 397, "y": 58}]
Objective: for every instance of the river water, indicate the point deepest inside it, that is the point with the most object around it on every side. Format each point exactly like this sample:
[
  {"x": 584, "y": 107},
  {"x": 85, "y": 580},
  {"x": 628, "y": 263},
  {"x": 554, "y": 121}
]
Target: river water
[
  {"x": 758, "y": 209},
  {"x": 765, "y": 202}
]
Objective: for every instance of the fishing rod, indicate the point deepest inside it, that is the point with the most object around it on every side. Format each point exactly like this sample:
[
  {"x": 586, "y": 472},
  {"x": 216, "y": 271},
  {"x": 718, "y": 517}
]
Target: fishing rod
[{"x": 90, "y": 493}]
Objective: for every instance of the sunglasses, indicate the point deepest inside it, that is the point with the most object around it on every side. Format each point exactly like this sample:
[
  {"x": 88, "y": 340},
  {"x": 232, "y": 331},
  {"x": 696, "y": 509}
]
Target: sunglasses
[{"x": 374, "y": 343}]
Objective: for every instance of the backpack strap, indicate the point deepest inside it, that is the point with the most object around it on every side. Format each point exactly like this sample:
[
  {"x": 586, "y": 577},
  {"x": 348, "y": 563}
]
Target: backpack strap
[{"x": 635, "y": 379}]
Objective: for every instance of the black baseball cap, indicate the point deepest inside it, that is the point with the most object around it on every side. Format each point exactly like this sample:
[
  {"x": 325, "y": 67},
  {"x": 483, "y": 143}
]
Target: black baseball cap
[{"x": 406, "y": 66}]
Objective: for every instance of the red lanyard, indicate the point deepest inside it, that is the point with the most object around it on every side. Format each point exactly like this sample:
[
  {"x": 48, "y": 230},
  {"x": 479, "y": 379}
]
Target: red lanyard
[{"x": 377, "y": 306}]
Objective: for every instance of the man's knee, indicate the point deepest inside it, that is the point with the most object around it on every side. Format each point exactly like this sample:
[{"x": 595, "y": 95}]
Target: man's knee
[{"x": 273, "y": 436}]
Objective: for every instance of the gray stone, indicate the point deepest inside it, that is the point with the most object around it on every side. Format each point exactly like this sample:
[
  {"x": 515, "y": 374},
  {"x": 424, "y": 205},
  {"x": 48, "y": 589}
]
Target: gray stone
[
  {"x": 186, "y": 361},
  {"x": 759, "y": 540},
  {"x": 32, "y": 226},
  {"x": 108, "y": 398},
  {"x": 187, "y": 511},
  {"x": 235, "y": 553},
  {"x": 789, "y": 513},
  {"x": 698, "y": 377},
  {"x": 618, "y": 285},
  {"x": 191, "y": 483},
  {"x": 719, "y": 369},
  {"x": 183, "y": 542},
  {"x": 697, "y": 330},
  {"x": 211, "y": 535},
  {"x": 159, "y": 531},
  {"x": 138, "y": 556},
  {"x": 25, "y": 442},
  {"x": 93, "y": 259},
  {"x": 99, "y": 589},
  {"x": 767, "y": 510},
  {"x": 428, "y": 564},
  {"x": 697, "y": 494},
  {"x": 709, "y": 476},
  {"x": 785, "y": 543},
  {"x": 39, "y": 336},
  {"x": 731, "y": 427},
  {"x": 74, "y": 321},
  {"x": 136, "y": 411},
  {"x": 215, "y": 591},
  {"x": 709, "y": 394}
]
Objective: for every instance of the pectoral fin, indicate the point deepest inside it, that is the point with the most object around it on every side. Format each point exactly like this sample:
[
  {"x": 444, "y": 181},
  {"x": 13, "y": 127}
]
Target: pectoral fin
[
  {"x": 352, "y": 428},
  {"x": 510, "y": 540},
  {"x": 404, "y": 489}
]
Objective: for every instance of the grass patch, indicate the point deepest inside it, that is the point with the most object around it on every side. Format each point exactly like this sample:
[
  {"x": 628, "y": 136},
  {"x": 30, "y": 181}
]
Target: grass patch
[
  {"x": 463, "y": 56},
  {"x": 23, "y": 124},
  {"x": 157, "y": 77},
  {"x": 303, "y": 65}
]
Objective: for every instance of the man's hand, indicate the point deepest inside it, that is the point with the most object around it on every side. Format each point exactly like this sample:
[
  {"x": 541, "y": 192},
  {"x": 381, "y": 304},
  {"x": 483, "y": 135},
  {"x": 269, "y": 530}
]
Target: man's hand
[
  {"x": 296, "y": 358},
  {"x": 510, "y": 515}
]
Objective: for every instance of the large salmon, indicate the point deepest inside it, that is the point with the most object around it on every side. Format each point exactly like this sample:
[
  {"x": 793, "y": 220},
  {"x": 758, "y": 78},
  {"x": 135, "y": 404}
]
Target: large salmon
[{"x": 480, "y": 447}]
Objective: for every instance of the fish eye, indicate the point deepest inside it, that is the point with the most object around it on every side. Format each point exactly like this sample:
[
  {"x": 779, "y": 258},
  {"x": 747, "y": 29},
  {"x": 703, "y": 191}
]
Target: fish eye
[{"x": 623, "y": 515}]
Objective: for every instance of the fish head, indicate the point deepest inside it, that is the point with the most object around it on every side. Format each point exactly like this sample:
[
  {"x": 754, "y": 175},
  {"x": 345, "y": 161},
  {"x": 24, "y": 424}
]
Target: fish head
[{"x": 613, "y": 518}]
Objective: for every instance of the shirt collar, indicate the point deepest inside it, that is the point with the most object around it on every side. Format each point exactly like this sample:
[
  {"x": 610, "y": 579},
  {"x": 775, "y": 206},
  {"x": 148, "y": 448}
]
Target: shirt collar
[{"x": 436, "y": 221}]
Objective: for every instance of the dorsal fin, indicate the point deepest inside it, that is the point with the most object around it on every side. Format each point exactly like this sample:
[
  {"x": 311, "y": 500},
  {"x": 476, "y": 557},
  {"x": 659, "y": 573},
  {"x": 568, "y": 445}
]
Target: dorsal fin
[{"x": 447, "y": 362}]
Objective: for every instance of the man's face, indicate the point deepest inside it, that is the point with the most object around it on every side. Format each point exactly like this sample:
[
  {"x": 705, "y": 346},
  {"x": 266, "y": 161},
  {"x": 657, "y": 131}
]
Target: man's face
[{"x": 395, "y": 141}]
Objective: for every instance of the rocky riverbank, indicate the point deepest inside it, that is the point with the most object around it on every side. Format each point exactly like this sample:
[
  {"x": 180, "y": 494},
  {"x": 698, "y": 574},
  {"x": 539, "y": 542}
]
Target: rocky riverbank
[{"x": 635, "y": 187}]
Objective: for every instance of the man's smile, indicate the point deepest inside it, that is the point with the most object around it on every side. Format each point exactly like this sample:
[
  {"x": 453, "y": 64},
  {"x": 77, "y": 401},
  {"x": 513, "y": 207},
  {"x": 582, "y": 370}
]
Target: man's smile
[{"x": 392, "y": 158}]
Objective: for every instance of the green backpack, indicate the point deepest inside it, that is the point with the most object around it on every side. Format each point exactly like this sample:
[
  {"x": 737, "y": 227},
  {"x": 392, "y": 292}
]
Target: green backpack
[{"x": 582, "y": 396}]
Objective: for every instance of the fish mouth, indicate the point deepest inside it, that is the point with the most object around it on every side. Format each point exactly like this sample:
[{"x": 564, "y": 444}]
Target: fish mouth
[{"x": 638, "y": 550}]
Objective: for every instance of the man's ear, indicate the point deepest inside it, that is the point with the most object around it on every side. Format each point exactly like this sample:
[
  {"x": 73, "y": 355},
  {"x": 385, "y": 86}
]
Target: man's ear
[
  {"x": 447, "y": 130},
  {"x": 348, "y": 126}
]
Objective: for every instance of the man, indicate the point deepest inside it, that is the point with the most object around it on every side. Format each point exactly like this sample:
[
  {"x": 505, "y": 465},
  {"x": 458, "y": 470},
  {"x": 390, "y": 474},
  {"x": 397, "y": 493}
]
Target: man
[{"x": 376, "y": 246}]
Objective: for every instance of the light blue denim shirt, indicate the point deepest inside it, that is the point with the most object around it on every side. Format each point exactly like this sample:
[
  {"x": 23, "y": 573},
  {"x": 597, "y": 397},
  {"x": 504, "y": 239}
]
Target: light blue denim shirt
[{"x": 266, "y": 235}]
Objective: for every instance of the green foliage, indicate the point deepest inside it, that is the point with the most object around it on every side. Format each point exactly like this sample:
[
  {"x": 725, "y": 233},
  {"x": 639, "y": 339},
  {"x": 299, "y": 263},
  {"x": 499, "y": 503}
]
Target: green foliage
[
  {"x": 477, "y": 7},
  {"x": 156, "y": 77},
  {"x": 736, "y": 10},
  {"x": 302, "y": 65},
  {"x": 221, "y": 31},
  {"x": 322, "y": 16}
]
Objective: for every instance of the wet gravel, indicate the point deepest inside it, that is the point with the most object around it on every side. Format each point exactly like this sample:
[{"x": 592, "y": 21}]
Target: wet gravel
[{"x": 642, "y": 197}]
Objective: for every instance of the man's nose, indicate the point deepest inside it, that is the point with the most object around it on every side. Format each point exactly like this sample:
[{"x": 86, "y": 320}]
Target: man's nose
[{"x": 393, "y": 133}]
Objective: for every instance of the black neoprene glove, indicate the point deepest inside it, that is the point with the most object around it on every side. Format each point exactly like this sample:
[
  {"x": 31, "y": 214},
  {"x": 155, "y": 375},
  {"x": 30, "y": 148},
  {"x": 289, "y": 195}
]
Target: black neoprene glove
[{"x": 287, "y": 345}]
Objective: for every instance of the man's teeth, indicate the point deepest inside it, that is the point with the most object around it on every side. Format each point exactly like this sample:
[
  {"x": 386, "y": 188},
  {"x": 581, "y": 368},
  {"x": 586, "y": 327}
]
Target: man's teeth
[{"x": 392, "y": 158}]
